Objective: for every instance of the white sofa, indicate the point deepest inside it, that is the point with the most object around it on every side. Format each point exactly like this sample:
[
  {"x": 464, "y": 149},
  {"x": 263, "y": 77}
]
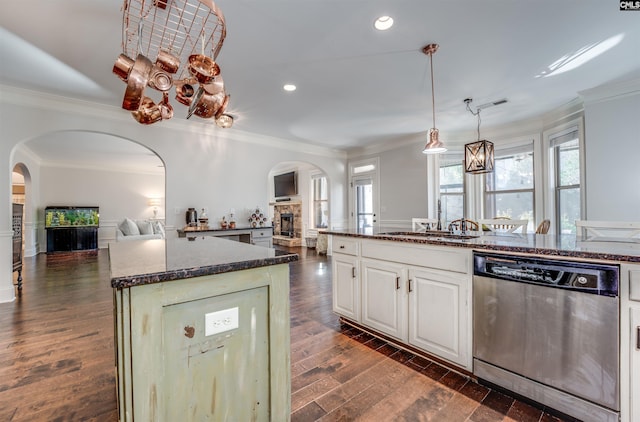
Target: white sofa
[{"x": 129, "y": 230}]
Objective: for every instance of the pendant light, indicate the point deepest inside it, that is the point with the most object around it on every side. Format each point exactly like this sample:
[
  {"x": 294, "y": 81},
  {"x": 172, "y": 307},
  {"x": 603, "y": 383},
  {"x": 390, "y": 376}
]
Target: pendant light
[
  {"x": 433, "y": 146},
  {"x": 478, "y": 155}
]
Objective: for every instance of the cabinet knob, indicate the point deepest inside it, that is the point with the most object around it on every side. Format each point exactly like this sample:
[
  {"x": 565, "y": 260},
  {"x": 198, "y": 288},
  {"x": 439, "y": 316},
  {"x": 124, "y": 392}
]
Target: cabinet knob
[{"x": 341, "y": 246}]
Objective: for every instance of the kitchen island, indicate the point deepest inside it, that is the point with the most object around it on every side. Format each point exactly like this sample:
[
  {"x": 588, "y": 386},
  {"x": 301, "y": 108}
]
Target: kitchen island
[
  {"x": 417, "y": 290},
  {"x": 201, "y": 330}
]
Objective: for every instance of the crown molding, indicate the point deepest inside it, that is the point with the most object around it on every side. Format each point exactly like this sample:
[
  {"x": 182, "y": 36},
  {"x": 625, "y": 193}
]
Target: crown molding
[
  {"x": 46, "y": 101},
  {"x": 611, "y": 91}
]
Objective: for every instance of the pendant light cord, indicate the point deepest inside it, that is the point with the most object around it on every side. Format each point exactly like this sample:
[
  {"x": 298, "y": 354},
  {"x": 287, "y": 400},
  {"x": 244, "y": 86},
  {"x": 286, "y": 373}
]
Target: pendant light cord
[
  {"x": 433, "y": 92},
  {"x": 477, "y": 113}
]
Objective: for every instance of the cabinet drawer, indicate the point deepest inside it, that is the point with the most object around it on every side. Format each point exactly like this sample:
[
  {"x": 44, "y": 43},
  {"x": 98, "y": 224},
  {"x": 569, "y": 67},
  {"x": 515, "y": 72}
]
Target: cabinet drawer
[
  {"x": 345, "y": 245},
  {"x": 634, "y": 285},
  {"x": 265, "y": 233},
  {"x": 448, "y": 259}
]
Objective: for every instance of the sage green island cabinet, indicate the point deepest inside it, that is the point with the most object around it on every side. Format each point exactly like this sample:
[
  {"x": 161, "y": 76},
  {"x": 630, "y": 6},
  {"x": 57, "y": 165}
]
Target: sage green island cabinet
[{"x": 201, "y": 330}]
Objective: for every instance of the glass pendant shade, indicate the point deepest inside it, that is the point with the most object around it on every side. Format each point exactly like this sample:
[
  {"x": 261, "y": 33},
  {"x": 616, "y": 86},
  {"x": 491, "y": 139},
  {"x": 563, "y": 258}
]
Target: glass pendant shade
[
  {"x": 434, "y": 146},
  {"x": 478, "y": 157}
]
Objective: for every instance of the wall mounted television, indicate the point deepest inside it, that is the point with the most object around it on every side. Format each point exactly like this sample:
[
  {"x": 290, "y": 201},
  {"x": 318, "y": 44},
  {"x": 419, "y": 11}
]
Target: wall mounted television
[{"x": 285, "y": 184}]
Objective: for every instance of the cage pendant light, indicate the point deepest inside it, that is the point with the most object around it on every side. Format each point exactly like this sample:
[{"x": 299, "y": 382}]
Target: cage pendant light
[
  {"x": 434, "y": 145},
  {"x": 478, "y": 155}
]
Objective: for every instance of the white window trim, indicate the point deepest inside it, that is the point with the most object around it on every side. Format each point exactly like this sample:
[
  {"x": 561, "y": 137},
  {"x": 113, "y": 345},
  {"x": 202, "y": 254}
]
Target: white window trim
[
  {"x": 549, "y": 169},
  {"x": 312, "y": 175}
]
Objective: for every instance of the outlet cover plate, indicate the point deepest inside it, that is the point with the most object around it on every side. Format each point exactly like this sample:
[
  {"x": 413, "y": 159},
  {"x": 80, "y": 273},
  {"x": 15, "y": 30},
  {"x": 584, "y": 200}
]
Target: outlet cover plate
[{"x": 221, "y": 321}]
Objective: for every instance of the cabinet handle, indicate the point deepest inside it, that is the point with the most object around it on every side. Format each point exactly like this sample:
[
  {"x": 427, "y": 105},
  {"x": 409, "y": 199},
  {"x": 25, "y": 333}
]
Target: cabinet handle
[
  {"x": 353, "y": 272},
  {"x": 341, "y": 246},
  {"x": 638, "y": 338},
  {"x": 397, "y": 283},
  {"x": 409, "y": 285}
]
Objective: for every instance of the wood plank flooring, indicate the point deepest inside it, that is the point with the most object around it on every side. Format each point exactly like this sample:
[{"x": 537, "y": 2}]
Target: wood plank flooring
[{"x": 57, "y": 356}]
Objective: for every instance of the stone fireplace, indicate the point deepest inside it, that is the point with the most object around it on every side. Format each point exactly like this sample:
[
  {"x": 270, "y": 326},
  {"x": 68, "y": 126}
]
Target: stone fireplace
[{"x": 287, "y": 222}]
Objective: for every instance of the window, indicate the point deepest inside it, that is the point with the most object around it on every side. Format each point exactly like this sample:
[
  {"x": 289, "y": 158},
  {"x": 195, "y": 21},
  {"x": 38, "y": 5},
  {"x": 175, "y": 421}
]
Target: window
[
  {"x": 451, "y": 188},
  {"x": 320, "y": 209},
  {"x": 566, "y": 165},
  {"x": 509, "y": 188}
]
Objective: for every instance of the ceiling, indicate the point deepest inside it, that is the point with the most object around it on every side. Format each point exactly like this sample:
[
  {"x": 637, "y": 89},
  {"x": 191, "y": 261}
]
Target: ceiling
[{"x": 356, "y": 86}]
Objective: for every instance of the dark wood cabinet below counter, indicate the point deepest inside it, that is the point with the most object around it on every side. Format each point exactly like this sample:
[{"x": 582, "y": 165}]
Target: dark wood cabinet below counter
[{"x": 68, "y": 239}]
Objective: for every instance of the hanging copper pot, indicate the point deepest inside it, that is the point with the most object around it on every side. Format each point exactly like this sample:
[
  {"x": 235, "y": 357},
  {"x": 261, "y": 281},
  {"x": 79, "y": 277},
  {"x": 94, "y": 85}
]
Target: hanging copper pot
[
  {"x": 167, "y": 61},
  {"x": 166, "y": 110},
  {"x": 185, "y": 93},
  {"x": 160, "y": 80},
  {"x": 208, "y": 105},
  {"x": 136, "y": 82},
  {"x": 203, "y": 68},
  {"x": 148, "y": 113},
  {"x": 223, "y": 107},
  {"x": 123, "y": 66},
  {"x": 215, "y": 86}
]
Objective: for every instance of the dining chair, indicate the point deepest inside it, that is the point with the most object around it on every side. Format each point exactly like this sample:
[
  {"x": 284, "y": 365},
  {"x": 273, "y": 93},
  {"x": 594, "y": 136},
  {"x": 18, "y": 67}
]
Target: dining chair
[
  {"x": 503, "y": 225},
  {"x": 608, "y": 230},
  {"x": 457, "y": 224},
  {"x": 423, "y": 224},
  {"x": 543, "y": 227}
]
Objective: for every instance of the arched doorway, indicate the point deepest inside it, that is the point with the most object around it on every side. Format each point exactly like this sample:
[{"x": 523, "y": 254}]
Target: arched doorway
[{"x": 297, "y": 218}]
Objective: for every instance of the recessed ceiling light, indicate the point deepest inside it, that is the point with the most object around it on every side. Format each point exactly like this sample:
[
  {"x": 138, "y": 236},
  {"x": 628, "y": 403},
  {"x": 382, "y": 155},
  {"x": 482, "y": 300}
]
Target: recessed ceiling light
[
  {"x": 383, "y": 23},
  {"x": 289, "y": 87}
]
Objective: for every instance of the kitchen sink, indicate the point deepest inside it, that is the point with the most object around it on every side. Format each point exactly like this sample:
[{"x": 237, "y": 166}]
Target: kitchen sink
[{"x": 436, "y": 235}]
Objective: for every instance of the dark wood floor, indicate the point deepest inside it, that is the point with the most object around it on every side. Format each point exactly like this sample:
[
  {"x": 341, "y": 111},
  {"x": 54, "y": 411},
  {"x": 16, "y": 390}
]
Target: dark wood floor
[{"x": 57, "y": 356}]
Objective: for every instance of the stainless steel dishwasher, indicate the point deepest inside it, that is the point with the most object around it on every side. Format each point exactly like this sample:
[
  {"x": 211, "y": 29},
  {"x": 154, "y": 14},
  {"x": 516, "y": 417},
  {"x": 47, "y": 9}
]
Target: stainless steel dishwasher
[{"x": 549, "y": 330}]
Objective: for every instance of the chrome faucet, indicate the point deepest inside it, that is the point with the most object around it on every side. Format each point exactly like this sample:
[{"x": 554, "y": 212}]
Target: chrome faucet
[{"x": 439, "y": 226}]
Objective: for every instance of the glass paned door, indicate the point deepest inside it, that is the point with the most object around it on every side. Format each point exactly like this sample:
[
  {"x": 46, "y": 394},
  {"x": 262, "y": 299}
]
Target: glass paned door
[{"x": 364, "y": 207}]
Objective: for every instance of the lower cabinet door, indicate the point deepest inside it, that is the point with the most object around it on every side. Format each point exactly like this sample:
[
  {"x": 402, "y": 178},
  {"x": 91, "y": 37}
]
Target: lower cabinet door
[
  {"x": 384, "y": 300},
  {"x": 635, "y": 364},
  {"x": 438, "y": 315},
  {"x": 346, "y": 286}
]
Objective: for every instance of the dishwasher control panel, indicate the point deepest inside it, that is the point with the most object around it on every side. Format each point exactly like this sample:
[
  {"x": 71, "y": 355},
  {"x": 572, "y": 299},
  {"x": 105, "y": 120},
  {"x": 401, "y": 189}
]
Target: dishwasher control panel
[{"x": 599, "y": 279}]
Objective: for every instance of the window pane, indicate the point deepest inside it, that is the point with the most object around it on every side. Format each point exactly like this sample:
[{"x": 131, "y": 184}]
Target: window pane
[
  {"x": 517, "y": 205},
  {"x": 569, "y": 209},
  {"x": 510, "y": 173},
  {"x": 569, "y": 163},
  {"x": 320, "y": 188},
  {"x": 451, "y": 178},
  {"x": 451, "y": 208},
  {"x": 321, "y": 214}
]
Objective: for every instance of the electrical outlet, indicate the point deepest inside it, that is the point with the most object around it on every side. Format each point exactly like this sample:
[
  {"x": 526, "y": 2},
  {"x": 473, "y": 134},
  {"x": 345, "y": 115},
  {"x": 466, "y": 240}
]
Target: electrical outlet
[{"x": 220, "y": 321}]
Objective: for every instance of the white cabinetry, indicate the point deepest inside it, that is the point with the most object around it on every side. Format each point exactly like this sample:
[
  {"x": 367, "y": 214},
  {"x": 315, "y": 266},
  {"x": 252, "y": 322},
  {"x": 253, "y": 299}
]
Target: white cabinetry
[
  {"x": 438, "y": 320},
  {"x": 630, "y": 342},
  {"x": 346, "y": 283},
  {"x": 262, "y": 237},
  {"x": 384, "y": 299},
  {"x": 417, "y": 294}
]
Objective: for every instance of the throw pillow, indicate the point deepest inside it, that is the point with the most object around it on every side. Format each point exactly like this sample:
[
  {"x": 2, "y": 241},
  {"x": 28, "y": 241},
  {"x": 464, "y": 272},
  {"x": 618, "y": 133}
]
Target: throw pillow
[
  {"x": 145, "y": 227},
  {"x": 129, "y": 227}
]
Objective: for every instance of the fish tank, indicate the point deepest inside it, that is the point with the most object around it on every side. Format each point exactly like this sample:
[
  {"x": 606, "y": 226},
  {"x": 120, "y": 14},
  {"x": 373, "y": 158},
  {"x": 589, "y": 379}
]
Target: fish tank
[{"x": 69, "y": 216}]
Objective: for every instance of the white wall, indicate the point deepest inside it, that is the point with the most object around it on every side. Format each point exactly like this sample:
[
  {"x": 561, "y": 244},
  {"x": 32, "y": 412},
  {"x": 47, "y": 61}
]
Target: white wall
[
  {"x": 403, "y": 180},
  {"x": 612, "y": 148},
  {"x": 205, "y": 166},
  {"x": 118, "y": 195}
]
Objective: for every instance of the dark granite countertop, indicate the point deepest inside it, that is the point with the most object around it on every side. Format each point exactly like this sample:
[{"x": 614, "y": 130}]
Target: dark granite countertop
[
  {"x": 152, "y": 261},
  {"x": 570, "y": 246}
]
